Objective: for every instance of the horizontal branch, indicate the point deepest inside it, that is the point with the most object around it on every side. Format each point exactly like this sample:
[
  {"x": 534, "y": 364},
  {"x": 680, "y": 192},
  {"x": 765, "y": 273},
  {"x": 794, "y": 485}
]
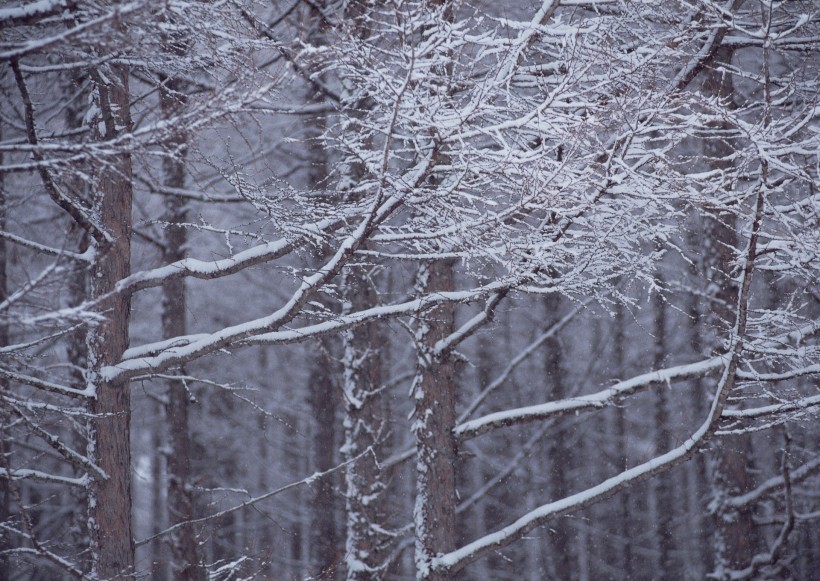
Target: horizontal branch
[
  {"x": 603, "y": 398},
  {"x": 26, "y": 474},
  {"x": 778, "y": 408},
  {"x": 47, "y": 385}
]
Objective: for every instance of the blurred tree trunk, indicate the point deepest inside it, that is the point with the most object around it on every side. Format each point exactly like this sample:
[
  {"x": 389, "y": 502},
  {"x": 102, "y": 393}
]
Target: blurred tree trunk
[
  {"x": 5, "y": 447},
  {"x": 558, "y": 456},
  {"x": 699, "y": 531},
  {"x": 621, "y": 454},
  {"x": 323, "y": 397},
  {"x": 663, "y": 488},
  {"x": 159, "y": 507},
  {"x": 186, "y": 564}
]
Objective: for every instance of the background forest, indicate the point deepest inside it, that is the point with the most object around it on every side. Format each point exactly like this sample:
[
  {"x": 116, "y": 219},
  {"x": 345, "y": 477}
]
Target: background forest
[{"x": 409, "y": 289}]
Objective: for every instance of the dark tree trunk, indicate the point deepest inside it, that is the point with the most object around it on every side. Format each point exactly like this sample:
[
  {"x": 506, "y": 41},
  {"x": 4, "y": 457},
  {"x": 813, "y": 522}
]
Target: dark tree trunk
[
  {"x": 112, "y": 543},
  {"x": 563, "y": 553},
  {"x": 323, "y": 400},
  {"x": 435, "y": 415},
  {"x": 5, "y": 449},
  {"x": 735, "y": 531},
  {"x": 186, "y": 565},
  {"x": 366, "y": 426}
]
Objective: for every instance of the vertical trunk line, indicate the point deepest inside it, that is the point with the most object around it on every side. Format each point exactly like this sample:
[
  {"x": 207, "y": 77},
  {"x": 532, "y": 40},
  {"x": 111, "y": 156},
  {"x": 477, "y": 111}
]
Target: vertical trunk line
[
  {"x": 186, "y": 565},
  {"x": 110, "y": 527},
  {"x": 435, "y": 396},
  {"x": 665, "y": 507},
  {"x": 5, "y": 448}
]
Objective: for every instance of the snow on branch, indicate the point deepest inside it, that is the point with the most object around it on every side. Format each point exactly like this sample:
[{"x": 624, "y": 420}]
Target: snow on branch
[
  {"x": 473, "y": 428},
  {"x": 773, "y": 484}
]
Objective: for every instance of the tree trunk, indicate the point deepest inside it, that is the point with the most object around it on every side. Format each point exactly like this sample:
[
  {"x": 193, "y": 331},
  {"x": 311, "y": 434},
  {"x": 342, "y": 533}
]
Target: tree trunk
[
  {"x": 366, "y": 426},
  {"x": 735, "y": 532},
  {"x": 186, "y": 565},
  {"x": 112, "y": 544},
  {"x": 621, "y": 433},
  {"x": 663, "y": 485},
  {"x": 558, "y": 459},
  {"x": 323, "y": 402},
  {"x": 159, "y": 507},
  {"x": 5, "y": 483},
  {"x": 435, "y": 414}
]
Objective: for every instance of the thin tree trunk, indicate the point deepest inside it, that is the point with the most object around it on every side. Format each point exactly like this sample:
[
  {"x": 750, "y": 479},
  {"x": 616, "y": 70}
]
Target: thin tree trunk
[
  {"x": 435, "y": 416},
  {"x": 112, "y": 544},
  {"x": 5, "y": 448},
  {"x": 76, "y": 350},
  {"x": 159, "y": 558},
  {"x": 557, "y": 451},
  {"x": 698, "y": 562},
  {"x": 624, "y": 518},
  {"x": 662, "y": 486}
]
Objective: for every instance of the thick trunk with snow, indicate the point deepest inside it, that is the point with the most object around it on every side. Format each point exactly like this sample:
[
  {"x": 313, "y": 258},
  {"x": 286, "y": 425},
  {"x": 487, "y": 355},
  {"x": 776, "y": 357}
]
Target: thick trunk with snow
[
  {"x": 366, "y": 424},
  {"x": 434, "y": 420}
]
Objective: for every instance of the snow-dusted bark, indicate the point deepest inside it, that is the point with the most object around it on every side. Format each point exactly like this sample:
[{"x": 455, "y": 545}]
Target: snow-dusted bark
[
  {"x": 366, "y": 425},
  {"x": 110, "y": 525},
  {"x": 434, "y": 396},
  {"x": 735, "y": 534}
]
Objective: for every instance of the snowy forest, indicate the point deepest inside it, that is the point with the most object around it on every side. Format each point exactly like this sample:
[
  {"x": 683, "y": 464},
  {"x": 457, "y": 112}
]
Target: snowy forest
[{"x": 409, "y": 289}]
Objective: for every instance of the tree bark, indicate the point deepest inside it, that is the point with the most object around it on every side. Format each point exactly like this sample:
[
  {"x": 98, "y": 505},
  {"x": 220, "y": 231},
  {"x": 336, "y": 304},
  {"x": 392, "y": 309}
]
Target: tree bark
[
  {"x": 735, "y": 532},
  {"x": 323, "y": 401},
  {"x": 435, "y": 416},
  {"x": 5, "y": 483},
  {"x": 112, "y": 544},
  {"x": 366, "y": 426}
]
